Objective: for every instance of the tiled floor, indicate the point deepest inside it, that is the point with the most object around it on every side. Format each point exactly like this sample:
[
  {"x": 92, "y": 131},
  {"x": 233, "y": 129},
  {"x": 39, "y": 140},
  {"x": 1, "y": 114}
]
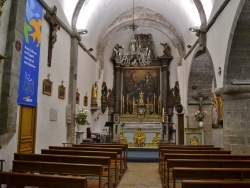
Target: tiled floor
[{"x": 141, "y": 175}]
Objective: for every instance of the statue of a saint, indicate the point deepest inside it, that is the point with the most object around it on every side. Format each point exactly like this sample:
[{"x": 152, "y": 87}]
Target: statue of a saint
[
  {"x": 94, "y": 94},
  {"x": 214, "y": 110}
]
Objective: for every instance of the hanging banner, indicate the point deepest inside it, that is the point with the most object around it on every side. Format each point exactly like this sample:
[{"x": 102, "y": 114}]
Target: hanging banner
[{"x": 28, "y": 82}]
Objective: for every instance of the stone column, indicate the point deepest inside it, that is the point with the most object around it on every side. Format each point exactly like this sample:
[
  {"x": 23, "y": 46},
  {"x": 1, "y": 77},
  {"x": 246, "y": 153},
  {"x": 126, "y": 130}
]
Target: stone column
[
  {"x": 117, "y": 88},
  {"x": 164, "y": 94},
  {"x": 72, "y": 88},
  {"x": 11, "y": 71},
  {"x": 236, "y": 108}
]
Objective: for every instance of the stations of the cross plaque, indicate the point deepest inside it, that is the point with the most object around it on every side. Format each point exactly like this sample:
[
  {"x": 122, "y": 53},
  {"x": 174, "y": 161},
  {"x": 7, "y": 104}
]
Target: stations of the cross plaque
[{"x": 54, "y": 27}]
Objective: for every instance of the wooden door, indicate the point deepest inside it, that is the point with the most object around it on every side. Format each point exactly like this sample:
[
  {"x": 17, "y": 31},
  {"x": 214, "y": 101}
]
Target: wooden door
[
  {"x": 27, "y": 125},
  {"x": 180, "y": 129}
]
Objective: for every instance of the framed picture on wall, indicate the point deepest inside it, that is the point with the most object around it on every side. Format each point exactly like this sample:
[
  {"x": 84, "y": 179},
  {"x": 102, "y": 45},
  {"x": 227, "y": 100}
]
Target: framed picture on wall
[
  {"x": 61, "y": 92},
  {"x": 47, "y": 87}
]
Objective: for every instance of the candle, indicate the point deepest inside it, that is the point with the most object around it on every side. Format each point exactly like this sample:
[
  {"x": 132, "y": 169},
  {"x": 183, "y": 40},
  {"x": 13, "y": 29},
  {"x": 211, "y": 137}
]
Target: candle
[
  {"x": 133, "y": 101},
  {"x": 122, "y": 101},
  {"x": 154, "y": 99}
]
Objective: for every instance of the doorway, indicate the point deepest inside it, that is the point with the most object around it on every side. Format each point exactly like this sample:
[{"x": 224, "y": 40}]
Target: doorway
[{"x": 27, "y": 130}]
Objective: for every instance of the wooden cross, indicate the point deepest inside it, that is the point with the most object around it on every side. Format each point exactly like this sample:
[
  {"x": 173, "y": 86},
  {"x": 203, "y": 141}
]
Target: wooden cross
[
  {"x": 54, "y": 26},
  {"x": 201, "y": 97}
]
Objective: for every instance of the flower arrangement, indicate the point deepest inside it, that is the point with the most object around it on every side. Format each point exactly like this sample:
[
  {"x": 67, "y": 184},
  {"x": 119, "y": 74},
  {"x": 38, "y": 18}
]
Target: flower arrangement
[
  {"x": 81, "y": 117},
  {"x": 200, "y": 115}
]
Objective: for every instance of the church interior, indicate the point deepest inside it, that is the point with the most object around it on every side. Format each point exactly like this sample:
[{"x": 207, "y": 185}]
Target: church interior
[{"x": 124, "y": 76}]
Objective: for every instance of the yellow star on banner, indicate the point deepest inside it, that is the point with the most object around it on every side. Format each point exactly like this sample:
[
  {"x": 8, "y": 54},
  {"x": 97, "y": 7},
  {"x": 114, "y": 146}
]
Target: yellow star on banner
[{"x": 36, "y": 35}]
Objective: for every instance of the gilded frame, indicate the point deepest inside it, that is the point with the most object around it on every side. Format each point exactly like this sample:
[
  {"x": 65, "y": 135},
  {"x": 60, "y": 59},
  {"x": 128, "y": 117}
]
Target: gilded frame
[
  {"x": 47, "y": 87},
  {"x": 61, "y": 92}
]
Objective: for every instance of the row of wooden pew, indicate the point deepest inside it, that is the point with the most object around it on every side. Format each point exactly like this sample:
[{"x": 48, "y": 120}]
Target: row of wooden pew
[
  {"x": 202, "y": 166},
  {"x": 87, "y": 165}
]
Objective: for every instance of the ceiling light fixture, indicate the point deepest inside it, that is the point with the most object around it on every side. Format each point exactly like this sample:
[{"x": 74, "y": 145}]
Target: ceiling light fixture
[
  {"x": 90, "y": 50},
  {"x": 188, "y": 46},
  {"x": 82, "y": 31},
  {"x": 135, "y": 55}
]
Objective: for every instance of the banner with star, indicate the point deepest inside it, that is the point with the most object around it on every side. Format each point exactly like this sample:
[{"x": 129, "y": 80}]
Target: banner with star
[{"x": 28, "y": 82}]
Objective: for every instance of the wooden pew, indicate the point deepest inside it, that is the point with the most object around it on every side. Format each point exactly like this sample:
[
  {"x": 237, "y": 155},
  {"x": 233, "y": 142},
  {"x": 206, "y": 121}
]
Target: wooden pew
[
  {"x": 62, "y": 169},
  {"x": 164, "y": 147},
  {"x": 202, "y": 163},
  {"x": 104, "y": 161},
  {"x": 22, "y": 179},
  {"x": 215, "y": 183},
  {"x": 197, "y": 151},
  {"x": 200, "y": 156},
  {"x": 112, "y": 155},
  {"x": 112, "y": 145},
  {"x": 210, "y": 173},
  {"x": 118, "y": 150}
]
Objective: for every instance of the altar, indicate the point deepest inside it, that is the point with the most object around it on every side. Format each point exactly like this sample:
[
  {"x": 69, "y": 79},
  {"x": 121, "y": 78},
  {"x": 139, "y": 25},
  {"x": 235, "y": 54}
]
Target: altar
[{"x": 141, "y": 135}]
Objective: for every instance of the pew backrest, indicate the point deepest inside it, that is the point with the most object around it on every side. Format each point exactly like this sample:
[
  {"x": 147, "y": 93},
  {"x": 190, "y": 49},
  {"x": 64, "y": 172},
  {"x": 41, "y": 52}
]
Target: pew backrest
[
  {"x": 37, "y": 180},
  {"x": 59, "y": 168},
  {"x": 215, "y": 183},
  {"x": 210, "y": 173},
  {"x": 104, "y": 161}
]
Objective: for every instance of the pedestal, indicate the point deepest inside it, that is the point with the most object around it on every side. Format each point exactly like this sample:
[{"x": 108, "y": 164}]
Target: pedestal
[{"x": 79, "y": 137}]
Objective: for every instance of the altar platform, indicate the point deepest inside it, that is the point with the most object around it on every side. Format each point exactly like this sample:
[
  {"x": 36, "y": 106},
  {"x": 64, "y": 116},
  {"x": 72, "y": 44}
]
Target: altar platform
[
  {"x": 140, "y": 135},
  {"x": 143, "y": 155}
]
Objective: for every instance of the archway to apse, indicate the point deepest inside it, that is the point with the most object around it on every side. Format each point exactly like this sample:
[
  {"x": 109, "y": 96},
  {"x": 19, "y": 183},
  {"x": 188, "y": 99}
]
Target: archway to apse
[
  {"x": 201, "y": 79},
  {"x": 236, "y": 90}
]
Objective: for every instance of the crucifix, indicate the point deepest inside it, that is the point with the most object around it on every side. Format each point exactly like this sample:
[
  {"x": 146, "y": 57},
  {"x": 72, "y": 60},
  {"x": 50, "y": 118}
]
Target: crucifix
[
  {"x": 54, "y": 26},
  {"x": 201, "y": 97}
]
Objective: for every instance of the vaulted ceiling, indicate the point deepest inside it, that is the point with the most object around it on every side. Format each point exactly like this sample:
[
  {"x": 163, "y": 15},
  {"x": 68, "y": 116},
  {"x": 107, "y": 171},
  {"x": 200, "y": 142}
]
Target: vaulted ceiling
[{"x": 167, "y": 20}]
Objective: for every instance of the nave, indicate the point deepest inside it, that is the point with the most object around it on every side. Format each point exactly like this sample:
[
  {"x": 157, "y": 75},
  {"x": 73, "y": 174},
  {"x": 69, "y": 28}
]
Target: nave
[
  {"x": 141, "y": 175},
  {"x": 104, "y": 165}
]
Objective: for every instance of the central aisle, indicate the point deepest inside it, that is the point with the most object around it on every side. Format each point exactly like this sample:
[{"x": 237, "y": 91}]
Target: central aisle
[{"x": 141, "y": 175}]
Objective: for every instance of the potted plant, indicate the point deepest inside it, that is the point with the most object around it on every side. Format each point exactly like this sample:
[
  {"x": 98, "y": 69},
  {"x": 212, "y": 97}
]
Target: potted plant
[{"x": 81, "y": 118}]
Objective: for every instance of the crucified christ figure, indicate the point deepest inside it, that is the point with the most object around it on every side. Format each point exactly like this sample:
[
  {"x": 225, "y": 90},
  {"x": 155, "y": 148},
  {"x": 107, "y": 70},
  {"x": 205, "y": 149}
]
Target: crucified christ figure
[{"x": 201, "y": 97}]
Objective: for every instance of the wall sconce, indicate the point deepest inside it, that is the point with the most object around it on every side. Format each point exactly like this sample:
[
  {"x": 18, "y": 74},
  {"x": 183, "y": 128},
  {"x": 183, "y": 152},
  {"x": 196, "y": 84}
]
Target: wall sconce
[
  {"x": 197, "y": 30},
  {"x": 82, "y": 31}
]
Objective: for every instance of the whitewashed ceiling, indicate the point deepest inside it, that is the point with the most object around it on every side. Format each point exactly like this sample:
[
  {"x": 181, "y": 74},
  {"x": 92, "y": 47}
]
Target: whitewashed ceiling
[{"x": 167, "y": 20}]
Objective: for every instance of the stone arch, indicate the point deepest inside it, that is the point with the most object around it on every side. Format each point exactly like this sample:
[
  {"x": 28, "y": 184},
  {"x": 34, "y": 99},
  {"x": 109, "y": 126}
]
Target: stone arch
[
  {"x": 236, "y": 90},
  {"x": 202, "y": 14},
  {"x": 201, "y": 77}
]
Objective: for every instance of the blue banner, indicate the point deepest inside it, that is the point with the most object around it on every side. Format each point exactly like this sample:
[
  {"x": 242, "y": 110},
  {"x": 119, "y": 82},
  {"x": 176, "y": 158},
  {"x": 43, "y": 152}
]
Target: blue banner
[{"x": 28, "y": 83}]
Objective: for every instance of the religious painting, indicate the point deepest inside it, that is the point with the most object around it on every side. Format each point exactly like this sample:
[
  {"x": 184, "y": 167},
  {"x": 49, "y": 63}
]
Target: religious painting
[
  {"x": 141, "y": 87},
  {"x": 77, "y": 97},
  {"x": 61, "y": 92},
  {"x": 47, "y": 87}
]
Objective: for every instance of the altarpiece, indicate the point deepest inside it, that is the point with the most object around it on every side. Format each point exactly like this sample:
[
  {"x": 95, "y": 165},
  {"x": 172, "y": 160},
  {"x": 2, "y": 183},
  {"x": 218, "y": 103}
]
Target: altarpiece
[{"x": 141, "y": 97}]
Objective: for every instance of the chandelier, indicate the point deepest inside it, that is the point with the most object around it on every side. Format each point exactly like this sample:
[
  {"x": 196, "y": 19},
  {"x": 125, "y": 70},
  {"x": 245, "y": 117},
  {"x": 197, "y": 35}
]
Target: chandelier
[{"x": 135, "y": 55}]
